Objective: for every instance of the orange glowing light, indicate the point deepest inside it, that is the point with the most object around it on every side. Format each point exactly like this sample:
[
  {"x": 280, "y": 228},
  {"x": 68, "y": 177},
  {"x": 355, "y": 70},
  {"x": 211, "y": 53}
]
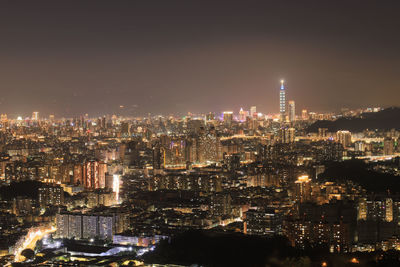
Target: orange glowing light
[{"x": 354, "y": 260}]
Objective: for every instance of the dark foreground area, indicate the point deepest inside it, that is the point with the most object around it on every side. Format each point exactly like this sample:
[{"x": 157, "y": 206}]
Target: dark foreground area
[
  {"x": 222, "y": 249},
  {"x": 360, "y": 173}
]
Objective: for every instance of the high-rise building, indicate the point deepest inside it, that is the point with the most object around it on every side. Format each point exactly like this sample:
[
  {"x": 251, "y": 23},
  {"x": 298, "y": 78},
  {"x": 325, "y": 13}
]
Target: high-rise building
[
  {"x": 207, "y": 147},
  {"x": 3, "y": 118},
  {"x": 303, "y": 188},
  {"x": 264, "y": 221},
  {"x": 292, "y": 111},
  {"x": 4, "y": 121},
  {"x": 282, "y": 101},
  {"x": 22, "y": 206},
  {"x": 287, "y": 135},
  {"x": 51, "y": 195},
  {"x": 228, "y": 117},
  {"x": 389, "y": 209},
  {"x": 195, "y": 125},
  {"x": 62, "y": 221},
  {"x": 359, "y": 146},
  {"x": 388, "y": 146},
  {"x": 106, "y": 224},
  {"x": 242, "y": 115},
  {"x": 253, "y": 111},
  {"x": 344, "y": 138},
  {"x": 221, "y": 204},
  {"x": 51, "y": 118},
  {"x": 304, "y": 114},
  {"x": 88, "y": 226},
  {"x": 90, "y": 174},
  {"x": 75, "y": 226},
  {"x": 312, "y": 115},
  {"x": 125, "y": 129},
  {"x": 158, "y": 156},
  {"x": 35, "y": 116},
  {"x": 362, "y": 209},
  {"x": 322, "y": 132},
  {"x": 210, "y": 116}
]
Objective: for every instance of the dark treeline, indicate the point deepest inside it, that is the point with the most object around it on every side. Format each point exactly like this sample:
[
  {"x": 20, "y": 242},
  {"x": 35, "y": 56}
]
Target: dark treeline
[
  {"x": 359, "y": 172},
  {"x": 386, "y": 119},
  {"x": 20, "y": 189},
  {"x": 206, "y": 248}
]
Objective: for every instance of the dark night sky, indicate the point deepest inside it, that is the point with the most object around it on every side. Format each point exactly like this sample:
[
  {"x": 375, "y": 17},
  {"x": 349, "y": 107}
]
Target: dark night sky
[{"x": 74, "y": 57}]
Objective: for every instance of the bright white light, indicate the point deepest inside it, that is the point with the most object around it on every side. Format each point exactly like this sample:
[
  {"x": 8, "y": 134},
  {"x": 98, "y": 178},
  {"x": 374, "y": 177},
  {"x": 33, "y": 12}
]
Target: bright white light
[
  {"x": 19, "y": 118},
  {"x": 116, "y": 183}
]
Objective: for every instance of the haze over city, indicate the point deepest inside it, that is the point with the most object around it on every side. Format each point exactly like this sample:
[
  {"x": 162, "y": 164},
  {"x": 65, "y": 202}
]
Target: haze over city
[{"x": 161, "y": 57}]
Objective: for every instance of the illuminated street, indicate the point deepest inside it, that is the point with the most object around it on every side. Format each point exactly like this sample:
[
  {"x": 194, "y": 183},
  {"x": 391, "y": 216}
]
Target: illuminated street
[{"x": 30, "y": 240}]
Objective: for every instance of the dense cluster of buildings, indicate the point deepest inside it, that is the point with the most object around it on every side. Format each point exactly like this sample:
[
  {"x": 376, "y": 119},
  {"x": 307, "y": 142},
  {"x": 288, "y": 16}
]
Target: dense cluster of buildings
[{"x": 116, "y": 178}]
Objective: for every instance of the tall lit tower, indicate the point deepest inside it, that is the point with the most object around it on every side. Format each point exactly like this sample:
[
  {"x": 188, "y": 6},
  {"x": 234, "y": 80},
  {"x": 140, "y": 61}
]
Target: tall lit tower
[
  {"x": 282, "y": 101},
  {"x": 35, "y": 115},
  {"x": 292, "y": 111},
  {"x": 253, "y": 111}
]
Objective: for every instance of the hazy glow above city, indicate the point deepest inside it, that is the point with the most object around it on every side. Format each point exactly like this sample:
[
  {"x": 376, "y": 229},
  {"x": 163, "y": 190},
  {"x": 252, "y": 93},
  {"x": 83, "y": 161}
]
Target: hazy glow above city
[{"x": 197, "y": 57}]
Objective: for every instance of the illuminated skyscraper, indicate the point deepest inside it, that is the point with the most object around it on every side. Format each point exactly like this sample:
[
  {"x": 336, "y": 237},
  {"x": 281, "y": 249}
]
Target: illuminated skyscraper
[
  {"x": 50, "y": 195},
  {"x": 303, "y": 188},
  {"x": 4, "y": 120},
  {"x": 125, "y": 131},
  {"x": 282, "y": 101},
  {"x": 322, "y": 132},
  {"x": 292, "y": 111},
  {"x": 228, "y": 117},
  {"x": 242, "y": 115},
  {"x": 35, "y": 116},
  {"x": 253, "y": 111},
  {"x": 3, "y": 117},
  {"x": 89, "y": 226},
  {"x": 105, "y": 227},
  {"x": 362, "y": 209},
  {"x": 389, "y": 209},
  {"x": 304, "y": 114},
  {"x": 344, "y": 137},
  {"x": 287, "y": 135},
  {"x": 210, "y": 116},
  {"x": 90, "y": 174},
  {"x": 208, "y": 146},
  {"x": 75, "y": 226}
]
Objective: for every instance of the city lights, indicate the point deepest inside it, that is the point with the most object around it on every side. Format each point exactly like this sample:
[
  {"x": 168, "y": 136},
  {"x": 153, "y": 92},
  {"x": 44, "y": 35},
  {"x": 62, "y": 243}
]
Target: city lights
[
  {"x": 199, "y": 133},
  {"x": 30, "y": 240}
]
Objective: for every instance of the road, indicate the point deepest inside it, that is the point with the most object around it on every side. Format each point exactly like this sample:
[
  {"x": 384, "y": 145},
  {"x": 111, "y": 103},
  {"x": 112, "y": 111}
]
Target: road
[{"x": 29, "y": 242}]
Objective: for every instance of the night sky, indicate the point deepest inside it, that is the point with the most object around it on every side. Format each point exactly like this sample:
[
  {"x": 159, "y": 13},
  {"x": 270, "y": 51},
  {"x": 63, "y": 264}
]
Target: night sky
[{"x": 73, "y": 57}]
